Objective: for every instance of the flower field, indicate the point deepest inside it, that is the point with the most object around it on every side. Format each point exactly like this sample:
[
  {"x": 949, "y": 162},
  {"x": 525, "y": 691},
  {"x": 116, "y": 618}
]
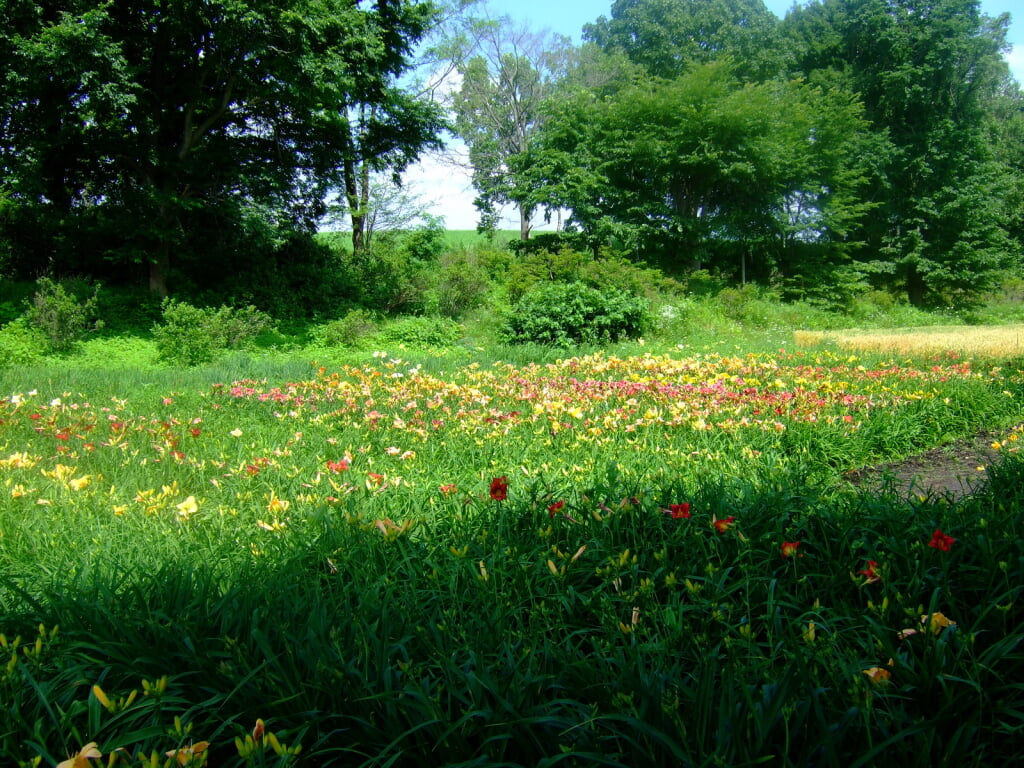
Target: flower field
[{"x": 600, "y": 560}]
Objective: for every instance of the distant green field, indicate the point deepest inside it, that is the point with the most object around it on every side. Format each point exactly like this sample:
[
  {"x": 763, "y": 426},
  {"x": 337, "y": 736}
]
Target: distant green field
[{"x": 457, "y": 238}]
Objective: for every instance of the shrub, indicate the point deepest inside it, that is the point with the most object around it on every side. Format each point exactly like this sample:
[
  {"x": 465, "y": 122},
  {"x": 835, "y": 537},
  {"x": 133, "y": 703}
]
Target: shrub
[
  {"x": 562, "y": 314},
  {"x": 422, "y": 332},
  {"x": 352, "y": 330},
  {"x": 461, "y": 285},
  {"x": 192, "y": 335},
  {"x": 64, "y": 312},
  {"x": 20, "y": 344}
]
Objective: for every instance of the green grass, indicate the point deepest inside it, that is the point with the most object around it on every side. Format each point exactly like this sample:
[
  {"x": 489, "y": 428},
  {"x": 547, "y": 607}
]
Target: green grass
[{"x": 321, "y": 550}]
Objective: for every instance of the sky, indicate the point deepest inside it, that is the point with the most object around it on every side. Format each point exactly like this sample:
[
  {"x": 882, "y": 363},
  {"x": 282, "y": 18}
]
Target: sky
[{"x": 445, "y": 187}]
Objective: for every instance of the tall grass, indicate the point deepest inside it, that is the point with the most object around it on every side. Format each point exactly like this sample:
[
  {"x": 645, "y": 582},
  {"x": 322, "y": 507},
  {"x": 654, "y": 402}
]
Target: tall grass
[{"x": 677, "y": 575}]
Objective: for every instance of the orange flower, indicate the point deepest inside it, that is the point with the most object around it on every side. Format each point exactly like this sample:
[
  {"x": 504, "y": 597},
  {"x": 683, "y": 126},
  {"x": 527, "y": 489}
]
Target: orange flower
[
  {"x": 789, "y": 548},
  {"x": 723, "y": 525},
  {"x": 448, "y": 489},
  {"x": 878, "y": 675}
]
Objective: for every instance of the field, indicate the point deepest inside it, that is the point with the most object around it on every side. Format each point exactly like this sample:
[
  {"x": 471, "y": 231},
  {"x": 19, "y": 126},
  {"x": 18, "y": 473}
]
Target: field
[{"x": 647, "y": 557}]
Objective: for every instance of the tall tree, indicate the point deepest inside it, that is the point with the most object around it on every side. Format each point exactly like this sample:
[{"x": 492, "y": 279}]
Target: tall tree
[
  {"x": 145, "y": 113},
  {"x": 497, "y": 112},
  {"x": 668, "y": 37},
  {"x": 692, "y": 169},
  {"x": 926, "y": 73}
]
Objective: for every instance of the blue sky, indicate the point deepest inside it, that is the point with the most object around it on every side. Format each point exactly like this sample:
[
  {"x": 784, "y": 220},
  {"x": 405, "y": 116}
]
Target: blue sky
[{"x": 448, "y": 188}]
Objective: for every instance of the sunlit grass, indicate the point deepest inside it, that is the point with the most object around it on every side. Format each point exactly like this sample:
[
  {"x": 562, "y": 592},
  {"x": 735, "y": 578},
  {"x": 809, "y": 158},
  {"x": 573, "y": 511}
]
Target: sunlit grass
[{"x": 1002, "y": 341}]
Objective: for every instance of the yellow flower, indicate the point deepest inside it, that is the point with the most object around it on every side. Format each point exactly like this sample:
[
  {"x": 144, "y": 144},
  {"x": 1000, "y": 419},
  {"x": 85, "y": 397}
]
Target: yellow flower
[
  {"x": 879, "y": 675},
  {"x": 187, "y": 508},
  {"x": 235, "y": 432},
  {"x": 191, "y": 755},
  {"x": 89, "y": 752},
  {"x": 79, "y": 483}
]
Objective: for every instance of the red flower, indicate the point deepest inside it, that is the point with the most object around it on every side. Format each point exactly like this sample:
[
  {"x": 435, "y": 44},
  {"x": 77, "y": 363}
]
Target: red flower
[
  {"x": 678, "y": 511},
  {"x": 499, "y": 488},
  {"x": 941, "y": 541},
  {"x": 338, "y": 466},
  {"x": 789, "y": 548},
  {"x": 448, "y": 489},
  {"x": 869, "y": 573},
  {"x": 723, "y": 525},
  {"x": 555, "y": 508}
]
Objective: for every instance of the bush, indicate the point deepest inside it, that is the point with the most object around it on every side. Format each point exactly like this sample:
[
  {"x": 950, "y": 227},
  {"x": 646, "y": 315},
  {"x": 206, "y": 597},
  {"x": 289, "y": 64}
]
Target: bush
[
  {"x": 563, "y": 314},
  {"x": 64, "y": 312},
  {"x": 352, "y": 330},
  {"x": 192, "y": 335},
  {"x": 422, "y": 332},
  {"x": 461, "y": 285},
  {"x": 20, "y": 344}
]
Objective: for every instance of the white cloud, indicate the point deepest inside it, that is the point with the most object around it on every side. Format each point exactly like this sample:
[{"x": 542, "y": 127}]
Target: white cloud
[{"x": 1015, "y": 59}]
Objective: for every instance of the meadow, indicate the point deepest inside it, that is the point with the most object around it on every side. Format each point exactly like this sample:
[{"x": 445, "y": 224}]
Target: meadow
[{"x": 636, "y": 555}]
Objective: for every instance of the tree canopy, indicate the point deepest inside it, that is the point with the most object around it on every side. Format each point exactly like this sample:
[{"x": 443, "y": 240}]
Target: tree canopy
[{"x": 147, "y": 131}]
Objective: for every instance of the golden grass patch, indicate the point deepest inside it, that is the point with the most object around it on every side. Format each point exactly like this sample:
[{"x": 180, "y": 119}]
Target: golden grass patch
[{"x": 986, "y": 341}]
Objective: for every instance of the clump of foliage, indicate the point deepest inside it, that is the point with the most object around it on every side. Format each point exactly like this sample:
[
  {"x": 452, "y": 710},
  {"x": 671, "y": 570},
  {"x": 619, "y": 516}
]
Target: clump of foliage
[
  {"x": 422, "y": 332},
  {"x": 193, "y": 335},
  {"x": 563, "y": 314},
  {"x": 64, "y": 312},
  {"x": 20, "y": 343},
  {"x": 351, "y": 330}
]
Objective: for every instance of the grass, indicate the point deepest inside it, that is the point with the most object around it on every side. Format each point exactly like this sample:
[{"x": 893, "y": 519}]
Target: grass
[
  {"x": 677, "y": 574},
  {"x": 1002, "y": 341}
]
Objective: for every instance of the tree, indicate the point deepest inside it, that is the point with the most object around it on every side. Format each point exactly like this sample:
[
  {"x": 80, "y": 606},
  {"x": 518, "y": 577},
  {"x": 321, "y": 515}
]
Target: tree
[
  {"x": 926, "y": 73},
  {"x": 144, "y": 120},
  {"x": 497, "y": 112},
  {"x": 668, "y": 37},
  {"x": 703, "y": 167}
]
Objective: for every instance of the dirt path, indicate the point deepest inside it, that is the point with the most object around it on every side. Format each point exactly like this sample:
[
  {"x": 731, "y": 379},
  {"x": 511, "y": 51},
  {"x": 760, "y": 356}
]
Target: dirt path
[{"x": 954, "y": 470}]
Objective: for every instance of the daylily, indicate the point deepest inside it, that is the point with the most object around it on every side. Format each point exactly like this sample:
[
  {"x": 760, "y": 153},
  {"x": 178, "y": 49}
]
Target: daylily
[
  {"x": 448, "y": 489},
  {"x": 869, "y": 572},
  {"x": 555, "y": 508},
  {"x": 499, "y": 488},
  {"x": 941, "y": 541},
  {"x": 338, "y": 466},
  {"x": 89, "y": 752},
  {"x": 191, "y": 755},
  {"x": 723, "y": 525},
  {"x": 789, "y": 548},
  {"x": 878, "y": 675},
  {"x": 679, "y": 511}
]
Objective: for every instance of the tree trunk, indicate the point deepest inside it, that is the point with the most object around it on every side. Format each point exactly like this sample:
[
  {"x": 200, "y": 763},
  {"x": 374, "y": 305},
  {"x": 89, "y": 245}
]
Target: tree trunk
[
  {"x": 916, "y": 288},
  {"x": 524, "y": 222},
  {"x": 158, "y": 270}
]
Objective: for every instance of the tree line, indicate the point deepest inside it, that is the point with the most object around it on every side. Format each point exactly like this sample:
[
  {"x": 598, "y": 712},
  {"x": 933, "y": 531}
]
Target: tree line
[{"x": 193, "y": 146}]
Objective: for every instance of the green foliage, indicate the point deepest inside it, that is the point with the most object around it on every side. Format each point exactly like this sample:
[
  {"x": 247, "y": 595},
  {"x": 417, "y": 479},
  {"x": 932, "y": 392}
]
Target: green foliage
[
  {"x": 64, "y": 311},
  {"x": 21, "y": 344},
  {"x": 192, "y": 335},
  {"x": 459, "y": 285},
  {"x": 354, "y": 329},
  {"x": 563, "y": 314},
  {"x": 421, "y": 332}
]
